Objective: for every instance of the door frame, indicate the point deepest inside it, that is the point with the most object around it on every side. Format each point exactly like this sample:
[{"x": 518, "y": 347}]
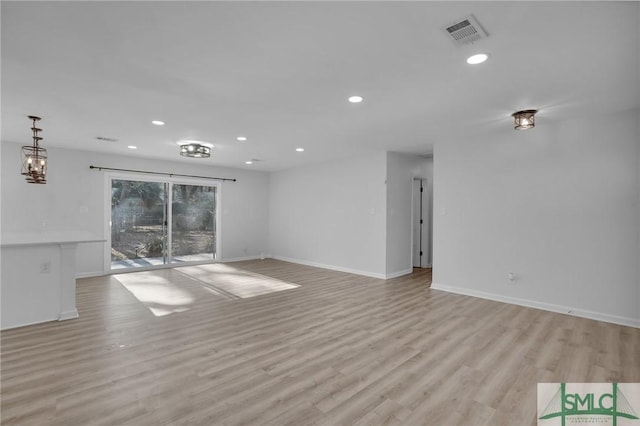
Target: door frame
[
  {"x": 110, "y": 176},
  {"x": 426, "y": 230}
]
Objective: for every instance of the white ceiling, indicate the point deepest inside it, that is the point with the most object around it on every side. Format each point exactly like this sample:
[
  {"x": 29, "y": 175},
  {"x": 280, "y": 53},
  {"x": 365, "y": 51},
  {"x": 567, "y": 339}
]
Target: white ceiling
[{"x": 280, "y": 73}]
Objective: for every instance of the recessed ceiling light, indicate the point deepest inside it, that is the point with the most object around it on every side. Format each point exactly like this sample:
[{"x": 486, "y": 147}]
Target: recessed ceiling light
[
  {"x": 132, "y": 147},
  {"x": 241, "y": 138},
  {"x": 248, "y": 162},
  {"x": 356, "y": 99},
  {"x": 158, "y": 122},
  {"x": 300, "y": 149},
  {"x": 477, "y": 59}
]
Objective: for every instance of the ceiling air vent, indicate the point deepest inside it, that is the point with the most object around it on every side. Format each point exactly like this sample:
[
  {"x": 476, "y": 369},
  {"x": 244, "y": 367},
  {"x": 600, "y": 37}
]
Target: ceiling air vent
[
  {"x": 103, "y": 139},
  {"x": 466, "y": 30}
]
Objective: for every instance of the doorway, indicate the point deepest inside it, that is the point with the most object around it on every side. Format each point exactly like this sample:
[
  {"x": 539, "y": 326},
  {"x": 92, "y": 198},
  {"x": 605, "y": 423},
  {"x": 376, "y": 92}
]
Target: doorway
[
  {"x": 161, "y": 222},
  {"x": 421, "y": 223}
]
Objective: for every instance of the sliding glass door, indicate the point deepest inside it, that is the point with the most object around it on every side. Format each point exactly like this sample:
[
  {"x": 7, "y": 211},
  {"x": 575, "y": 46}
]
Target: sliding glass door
[
  {"x": 157, "y": 223},
  {"x": 138, "y": 223},
  {"x": 193, "y": 224}
]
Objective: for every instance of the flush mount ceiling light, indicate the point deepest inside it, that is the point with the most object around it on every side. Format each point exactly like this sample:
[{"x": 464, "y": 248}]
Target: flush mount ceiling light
[
  {"x": 194, "y": 149},
  {"x": 477, "y": 59},
  {"x": 34, "y": 157},
  {"x": 356, "y": 99},
  {"x": 132, "y": 147},
  {"x": 300, "y": 149},
  {"x": 241, "y": 138},
  {"x": 158, "y": 122},
  {"x": 524, "y": 119},
  {"x": 248, "y": 162}
]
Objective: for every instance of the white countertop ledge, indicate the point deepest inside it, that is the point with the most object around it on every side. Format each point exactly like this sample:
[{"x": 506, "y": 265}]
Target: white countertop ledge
[{"x": 47, "y": 238}]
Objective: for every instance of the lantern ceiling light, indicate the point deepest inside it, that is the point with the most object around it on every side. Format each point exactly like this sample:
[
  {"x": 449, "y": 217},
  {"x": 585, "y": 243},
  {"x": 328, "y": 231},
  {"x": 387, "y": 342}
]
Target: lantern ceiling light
[
  {"x": 524, "y": 119},
  {"x": 34, "y": 157}
]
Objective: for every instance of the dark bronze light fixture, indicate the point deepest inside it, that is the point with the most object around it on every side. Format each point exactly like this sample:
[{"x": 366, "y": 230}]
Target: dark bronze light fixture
[
  {"x": 34, "y": 157},
  {"x": 195, "y": 150},
  {"x": 524, "y": 119}
]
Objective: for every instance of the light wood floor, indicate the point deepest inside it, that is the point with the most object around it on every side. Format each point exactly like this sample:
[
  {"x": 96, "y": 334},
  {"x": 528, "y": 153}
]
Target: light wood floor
[{"x": 339, "y": 349}]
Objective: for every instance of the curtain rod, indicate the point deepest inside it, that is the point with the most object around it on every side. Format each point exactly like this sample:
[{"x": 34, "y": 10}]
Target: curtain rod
[{"x": 161, "y": 173}]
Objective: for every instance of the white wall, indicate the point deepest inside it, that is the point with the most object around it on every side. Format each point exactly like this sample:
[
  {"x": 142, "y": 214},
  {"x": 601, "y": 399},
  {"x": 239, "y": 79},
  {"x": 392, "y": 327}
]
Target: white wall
[
  {"x": 401, "y": 169},
  {"x": 557, "y": 205},
  {"x": 637, "y": 119},
  {"x": 429, "y": 195},
  {"x": 71, "y": 188},
  {"x": 331, "y": 214},
  {"x": 28, "y": 296},
  {"x": 341, "y": 215}
]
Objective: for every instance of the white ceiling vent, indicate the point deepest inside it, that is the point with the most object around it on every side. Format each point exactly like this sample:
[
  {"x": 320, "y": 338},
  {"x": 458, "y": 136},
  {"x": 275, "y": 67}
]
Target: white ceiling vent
[
  {"x": 103, "y": 139},
  {"x": 466, "y": 30}
]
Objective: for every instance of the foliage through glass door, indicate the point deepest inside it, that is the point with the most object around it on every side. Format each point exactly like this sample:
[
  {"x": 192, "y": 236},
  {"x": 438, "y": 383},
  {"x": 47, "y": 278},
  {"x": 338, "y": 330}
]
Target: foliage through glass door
[
  {"x": 193, "y": 233},
  {"x": 146, "y": 232}
]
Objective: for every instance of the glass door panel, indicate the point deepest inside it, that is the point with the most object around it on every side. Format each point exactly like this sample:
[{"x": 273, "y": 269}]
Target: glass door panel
[
  {"x": 138, "y": 223},
  {"x": 193, "y": 224}
]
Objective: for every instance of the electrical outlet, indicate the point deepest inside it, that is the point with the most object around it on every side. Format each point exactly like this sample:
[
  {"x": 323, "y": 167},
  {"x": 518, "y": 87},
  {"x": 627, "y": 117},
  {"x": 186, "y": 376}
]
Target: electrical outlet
[{"x": 45, "y": 267}]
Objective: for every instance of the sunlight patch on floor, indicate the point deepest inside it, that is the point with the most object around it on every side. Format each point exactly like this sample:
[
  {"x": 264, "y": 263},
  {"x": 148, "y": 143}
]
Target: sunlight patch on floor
[
  {"x": 158, "y": 294},
  {"x": 168, "y": 291},
  {"x": 237, "y": 282}
]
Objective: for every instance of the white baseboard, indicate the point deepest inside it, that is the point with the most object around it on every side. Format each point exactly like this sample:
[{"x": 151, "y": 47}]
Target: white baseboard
[
  {"x": 598, "y": 316},
  {"x": 90, "y": 274},
  {"x": 399, "y": 273},
  {"x": 240, "y": 259},
  {"x": 67, "y": 315},
  {"x": 332, "y": 267},
  {"x": 286, "y": 259},
  {"x": 343, "y": 269}
]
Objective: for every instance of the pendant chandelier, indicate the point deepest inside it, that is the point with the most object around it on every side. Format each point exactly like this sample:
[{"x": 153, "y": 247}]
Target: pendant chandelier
[
  {"x": 525, "y": 119},
  {"x": 34, "y": 157}
]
